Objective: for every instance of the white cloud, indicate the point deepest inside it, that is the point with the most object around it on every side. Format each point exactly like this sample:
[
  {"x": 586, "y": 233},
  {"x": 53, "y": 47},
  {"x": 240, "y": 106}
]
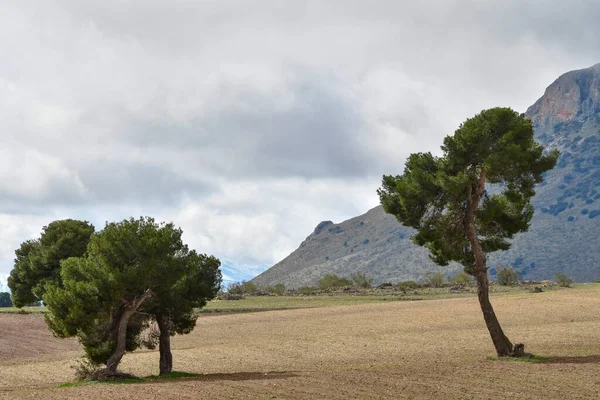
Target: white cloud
[
  {"x": 248, "y": 123},
  {"x": 259, "y": 223}
]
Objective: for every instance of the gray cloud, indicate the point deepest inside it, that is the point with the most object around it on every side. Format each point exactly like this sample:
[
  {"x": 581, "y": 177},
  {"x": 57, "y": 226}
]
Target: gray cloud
[
  {"x": 249, "y": 122},
  {"x": 113, "y": 182},
  {"x": 309, "y": 131}
]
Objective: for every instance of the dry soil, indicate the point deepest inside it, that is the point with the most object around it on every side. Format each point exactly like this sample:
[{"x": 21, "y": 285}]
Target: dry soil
[{"x": 427, "y": 349}]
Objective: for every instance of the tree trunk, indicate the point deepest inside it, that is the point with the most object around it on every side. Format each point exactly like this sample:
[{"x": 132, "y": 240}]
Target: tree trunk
[
  {"x": 503, "y": 345},
  {"x": 164, "y": 344},
  {"x": 130, "y": 309},
  {"x": 115, "y": 358}
]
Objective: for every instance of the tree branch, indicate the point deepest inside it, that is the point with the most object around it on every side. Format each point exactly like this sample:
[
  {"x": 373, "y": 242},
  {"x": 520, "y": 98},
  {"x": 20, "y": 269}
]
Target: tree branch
[{"x": 136, "y": 303}]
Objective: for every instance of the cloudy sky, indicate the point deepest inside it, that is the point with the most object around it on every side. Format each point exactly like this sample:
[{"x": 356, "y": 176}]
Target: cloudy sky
[{"x": 249, "y": 122}]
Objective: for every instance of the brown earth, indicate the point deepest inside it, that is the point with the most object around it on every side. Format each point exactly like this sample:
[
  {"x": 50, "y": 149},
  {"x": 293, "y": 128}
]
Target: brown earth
[
  {"x": 26, "y": 337},
  {"x": 428, "y": 349}
]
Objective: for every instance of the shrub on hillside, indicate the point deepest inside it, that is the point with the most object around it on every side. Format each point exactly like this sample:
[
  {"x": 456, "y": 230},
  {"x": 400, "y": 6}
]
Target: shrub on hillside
[
  {"x": 362, "y": 280},
  {"x": 278, "y": 289},
  {"x": 563, "y": 280},
  {"x": 330, "y": 281},
  {"x": 462, "y": 278},
  {"x": 507, "y": 276},
  {"x": 434, "y": 279},
  {"x": 307, "y": 290}
]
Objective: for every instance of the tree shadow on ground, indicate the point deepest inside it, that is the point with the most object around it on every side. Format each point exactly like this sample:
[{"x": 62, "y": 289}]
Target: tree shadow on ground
[{"x": 593, "y": 359}]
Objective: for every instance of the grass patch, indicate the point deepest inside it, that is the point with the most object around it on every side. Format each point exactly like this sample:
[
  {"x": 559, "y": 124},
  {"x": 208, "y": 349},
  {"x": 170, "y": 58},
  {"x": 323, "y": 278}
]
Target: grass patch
[
  {"x": 126, "y": 381},
  {"x": 173, "y": 375},
  {"x": 75, "y": 384},
  {"x": 110, "y": 382}
]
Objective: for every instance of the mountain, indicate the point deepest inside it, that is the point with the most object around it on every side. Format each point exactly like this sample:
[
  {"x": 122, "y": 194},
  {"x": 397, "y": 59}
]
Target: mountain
[
  {"x": 564, "y": 232},
  {"x": 374, "y": 244}
]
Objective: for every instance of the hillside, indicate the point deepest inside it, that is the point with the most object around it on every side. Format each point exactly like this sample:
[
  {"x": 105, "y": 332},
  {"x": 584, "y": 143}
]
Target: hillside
[
  {"x": 563, "y": 236},
  {"x": 373, "y": 243}
]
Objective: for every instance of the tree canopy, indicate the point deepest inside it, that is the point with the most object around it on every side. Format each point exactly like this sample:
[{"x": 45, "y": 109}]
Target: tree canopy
[
  {"x": 474, "y": 198},
  {"x": 5, "y": 299},
  {"x": 134, "y": 270},
  {"x": 37, "y": 261}
]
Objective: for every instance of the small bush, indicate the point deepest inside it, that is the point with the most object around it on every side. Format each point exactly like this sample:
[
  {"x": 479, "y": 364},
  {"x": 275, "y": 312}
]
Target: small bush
[
  {"x": 306, "y": 290},
  {"x": 242, "y": 288},
  {"x": 563, "y": 280},
  {"x": 362, "y": 280},
  {"x": 434, "y": 279},
  {"x": 235, "y": 288},
  {"x": 278, "y": 289},
  {"x": 407, "y": 285},
  {"x": 507, "y": 276},
  {"x": 87, "y": 371},
  {"x": 333, "y": 281},
  {"x": 462, "y": 278}
]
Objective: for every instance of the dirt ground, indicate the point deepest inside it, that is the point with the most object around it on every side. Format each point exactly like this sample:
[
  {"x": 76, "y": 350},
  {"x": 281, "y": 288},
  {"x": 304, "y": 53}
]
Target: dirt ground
[{"x": 427, "y": 349}]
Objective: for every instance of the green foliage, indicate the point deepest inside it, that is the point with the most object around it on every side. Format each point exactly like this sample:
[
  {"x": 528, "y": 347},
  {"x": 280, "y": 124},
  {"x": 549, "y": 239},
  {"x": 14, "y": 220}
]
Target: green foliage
[
  {"x": 124, "y": 261},
  {"x": 249, "y": 288},
  {"x": 243, "y": 287},
  {"x": 433, "y": 193},
  {"x": 5, "y": 300},
  {"x": 278, "y": 289},
  {"x": 330, "y": 281},
  {"x": 462, "y": 278},
  {"x": 362, "y": 280},
  {"x": 563, "y": 280},
  {"x": 37, "y": 262},
  {"x": 435, "y": 279},
  {"x": 507, "y": 276},
  {"x": 306, "y": 290}
]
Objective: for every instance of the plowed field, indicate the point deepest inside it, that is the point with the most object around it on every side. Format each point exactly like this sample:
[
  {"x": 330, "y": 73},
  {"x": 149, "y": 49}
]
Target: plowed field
[{"x": 426, "y": 349}]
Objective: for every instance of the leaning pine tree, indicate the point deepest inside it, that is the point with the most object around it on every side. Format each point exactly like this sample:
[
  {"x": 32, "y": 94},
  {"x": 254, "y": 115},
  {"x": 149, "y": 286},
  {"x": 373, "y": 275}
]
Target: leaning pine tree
[{"x": 472, "y": 199}]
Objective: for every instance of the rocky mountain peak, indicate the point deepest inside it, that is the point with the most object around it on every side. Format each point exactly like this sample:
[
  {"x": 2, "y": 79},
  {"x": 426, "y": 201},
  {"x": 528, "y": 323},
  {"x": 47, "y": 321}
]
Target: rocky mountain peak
[
  {"x": 322, "y": 225},
  {"x": 563, "y": 236},
  {"x": 573, "y": 95}
]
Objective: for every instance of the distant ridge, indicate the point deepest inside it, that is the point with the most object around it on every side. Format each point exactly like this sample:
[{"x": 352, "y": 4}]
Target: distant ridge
[{"x": 564, "y": 235}]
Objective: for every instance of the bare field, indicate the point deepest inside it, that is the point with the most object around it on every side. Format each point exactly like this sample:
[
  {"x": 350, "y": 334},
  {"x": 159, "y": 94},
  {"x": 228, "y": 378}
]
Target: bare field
[{"x": 391, "y": 350}]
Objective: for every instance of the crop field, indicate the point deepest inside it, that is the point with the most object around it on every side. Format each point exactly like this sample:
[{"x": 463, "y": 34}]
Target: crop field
[{"x": 368, "y": 349}]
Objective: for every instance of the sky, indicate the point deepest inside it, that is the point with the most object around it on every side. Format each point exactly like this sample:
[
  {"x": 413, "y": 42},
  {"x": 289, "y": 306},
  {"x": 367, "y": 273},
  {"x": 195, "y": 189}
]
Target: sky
[{"x": 248, "y": 122}]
